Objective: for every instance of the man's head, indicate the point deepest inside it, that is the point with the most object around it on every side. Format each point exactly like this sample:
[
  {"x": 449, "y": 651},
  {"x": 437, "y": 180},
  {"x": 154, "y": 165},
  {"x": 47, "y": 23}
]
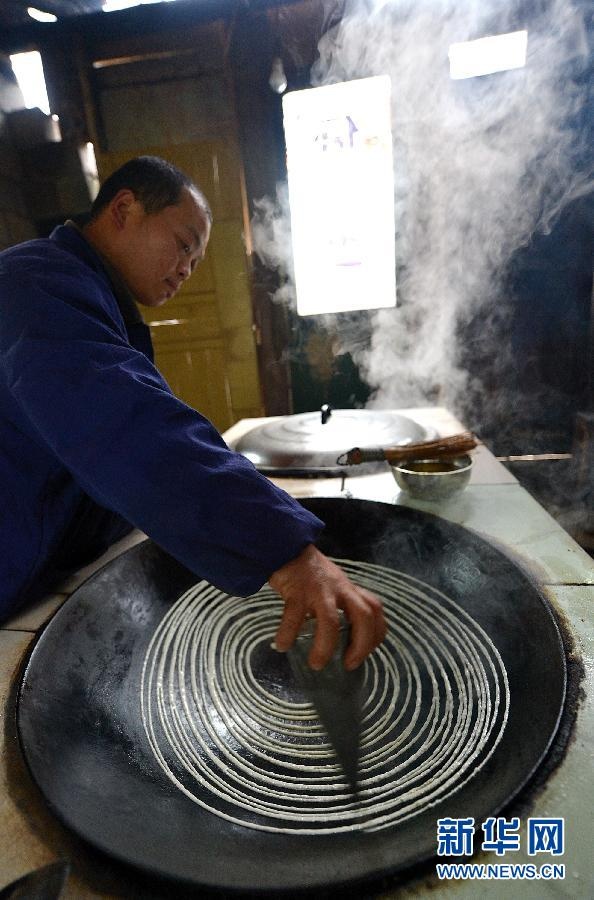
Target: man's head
[{"x": 152, "y": 224}]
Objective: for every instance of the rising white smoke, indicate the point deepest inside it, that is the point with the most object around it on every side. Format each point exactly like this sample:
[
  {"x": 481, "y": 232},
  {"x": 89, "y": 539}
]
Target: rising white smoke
[{"x": 479, "y": 166}]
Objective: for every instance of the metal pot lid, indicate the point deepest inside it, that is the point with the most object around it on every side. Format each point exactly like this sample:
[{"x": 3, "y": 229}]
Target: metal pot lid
[{"x": 310, "y": 443}]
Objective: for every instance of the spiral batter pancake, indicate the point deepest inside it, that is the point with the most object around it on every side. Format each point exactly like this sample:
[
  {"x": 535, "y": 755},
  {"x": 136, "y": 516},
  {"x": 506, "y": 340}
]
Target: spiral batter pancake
[{"x": 245, "y": 744}]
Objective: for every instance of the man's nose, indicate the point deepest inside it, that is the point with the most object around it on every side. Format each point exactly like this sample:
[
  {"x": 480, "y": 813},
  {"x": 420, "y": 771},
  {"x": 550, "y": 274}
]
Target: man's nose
[{"x": 184, "y": 268}]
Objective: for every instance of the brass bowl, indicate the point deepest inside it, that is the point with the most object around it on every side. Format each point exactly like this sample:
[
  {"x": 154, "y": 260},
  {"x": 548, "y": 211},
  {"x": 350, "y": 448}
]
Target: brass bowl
[{"x": 433, "y": 479}]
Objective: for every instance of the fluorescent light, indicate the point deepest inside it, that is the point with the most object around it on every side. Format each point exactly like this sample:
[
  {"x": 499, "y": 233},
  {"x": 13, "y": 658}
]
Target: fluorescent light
[
  {"x": 113, "y": 5},
  {"x": 41, "y": 16},
  {"x": 28, "y": 70},
  {"x": 488, "y": 55},
  {"x": 341, "y": 194}
]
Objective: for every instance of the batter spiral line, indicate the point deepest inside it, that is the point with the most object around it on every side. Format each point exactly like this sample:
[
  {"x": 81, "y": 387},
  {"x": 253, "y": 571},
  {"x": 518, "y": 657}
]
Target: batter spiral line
[{"x": 253, "y": 752}]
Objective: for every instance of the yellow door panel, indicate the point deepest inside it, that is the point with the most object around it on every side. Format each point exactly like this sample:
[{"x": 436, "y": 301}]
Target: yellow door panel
[
  {"x": 216, "y": 167},
  {"x": 194, "y": 317},
  {"x": 199, "y": 372},
  {"x": 227, "y": 257}
]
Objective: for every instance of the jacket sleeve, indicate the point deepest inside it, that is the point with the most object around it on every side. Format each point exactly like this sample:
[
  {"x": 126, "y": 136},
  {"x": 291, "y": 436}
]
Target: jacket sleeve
[{"x": 110, "y": 419}]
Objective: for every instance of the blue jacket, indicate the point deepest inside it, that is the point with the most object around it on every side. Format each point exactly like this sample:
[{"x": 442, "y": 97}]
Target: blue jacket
[{"x": 92, "y": 440}]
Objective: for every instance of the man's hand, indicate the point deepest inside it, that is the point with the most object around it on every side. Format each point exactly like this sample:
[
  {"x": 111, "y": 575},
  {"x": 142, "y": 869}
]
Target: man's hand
[{"x": 313, "y": 585}]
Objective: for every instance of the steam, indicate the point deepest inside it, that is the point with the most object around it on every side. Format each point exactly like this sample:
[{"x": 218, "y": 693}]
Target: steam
[
  {"x": 479, "y": 166},
  {"x": 271, "y": 238}
]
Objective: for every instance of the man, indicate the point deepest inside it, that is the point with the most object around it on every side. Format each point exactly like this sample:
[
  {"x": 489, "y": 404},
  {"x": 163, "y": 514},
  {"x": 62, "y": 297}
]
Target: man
[{"x": 93, "y": 441}]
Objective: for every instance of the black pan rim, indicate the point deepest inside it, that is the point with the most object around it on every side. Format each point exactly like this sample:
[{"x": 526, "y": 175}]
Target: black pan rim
[{"x": 323, "y": 885}]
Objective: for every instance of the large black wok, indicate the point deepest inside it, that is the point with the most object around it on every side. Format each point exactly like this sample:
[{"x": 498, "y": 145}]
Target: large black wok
[{"x": 83, "y": 739}]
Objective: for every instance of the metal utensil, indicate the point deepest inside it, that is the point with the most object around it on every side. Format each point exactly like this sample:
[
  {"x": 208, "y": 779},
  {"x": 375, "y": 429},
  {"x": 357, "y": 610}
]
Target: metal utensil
[
  {"x": 336, "y": 694},
  {"x": 308, "y": 443},
  {"x": 442, "y": 448},
  {"x": 433, "y": 479}
]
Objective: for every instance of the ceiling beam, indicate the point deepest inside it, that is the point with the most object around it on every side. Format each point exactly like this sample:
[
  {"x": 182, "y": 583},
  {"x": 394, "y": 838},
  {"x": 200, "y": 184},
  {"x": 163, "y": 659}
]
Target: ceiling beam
[{"x": 140, "y": 20}]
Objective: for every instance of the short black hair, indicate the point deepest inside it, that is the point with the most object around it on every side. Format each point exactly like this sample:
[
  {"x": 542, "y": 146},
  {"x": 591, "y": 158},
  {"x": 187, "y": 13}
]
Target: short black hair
[{"x": 154, "y": 182}]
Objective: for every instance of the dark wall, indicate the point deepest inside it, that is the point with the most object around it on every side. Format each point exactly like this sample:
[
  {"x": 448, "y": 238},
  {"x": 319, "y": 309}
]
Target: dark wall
[{"x": 551, "y": 281}]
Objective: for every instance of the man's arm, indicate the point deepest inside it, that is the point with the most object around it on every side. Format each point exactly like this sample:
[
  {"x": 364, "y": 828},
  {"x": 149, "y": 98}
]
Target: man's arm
[
  {"x": 103, "y": 412},
  {"x": 313, "y": 585}
]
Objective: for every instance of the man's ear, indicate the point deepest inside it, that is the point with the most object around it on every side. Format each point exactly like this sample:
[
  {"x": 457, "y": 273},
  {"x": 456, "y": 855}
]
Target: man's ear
[{"x": 121, "y": 207}]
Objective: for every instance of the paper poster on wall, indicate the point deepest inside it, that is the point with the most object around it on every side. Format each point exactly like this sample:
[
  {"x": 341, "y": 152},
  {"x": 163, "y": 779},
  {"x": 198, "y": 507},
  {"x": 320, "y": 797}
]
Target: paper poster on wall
[{"x": 341, "y": 194}]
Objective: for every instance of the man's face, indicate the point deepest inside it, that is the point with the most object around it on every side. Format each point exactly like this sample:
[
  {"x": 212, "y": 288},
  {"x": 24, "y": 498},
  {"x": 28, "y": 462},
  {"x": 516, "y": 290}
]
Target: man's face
[{"x": 159, "y": 251}]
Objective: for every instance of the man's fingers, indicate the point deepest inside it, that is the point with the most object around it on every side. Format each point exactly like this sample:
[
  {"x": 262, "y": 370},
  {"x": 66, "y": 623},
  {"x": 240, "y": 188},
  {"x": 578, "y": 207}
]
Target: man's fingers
[
  {"x": 368, "y": 627},
  {"x": 311, "y": 583},
  {"x": 326, "y": 635},
  {"x": 381, "y": 626},
  {"x": 293, "y": 618},
  {"x": 363, "y": 632}
]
